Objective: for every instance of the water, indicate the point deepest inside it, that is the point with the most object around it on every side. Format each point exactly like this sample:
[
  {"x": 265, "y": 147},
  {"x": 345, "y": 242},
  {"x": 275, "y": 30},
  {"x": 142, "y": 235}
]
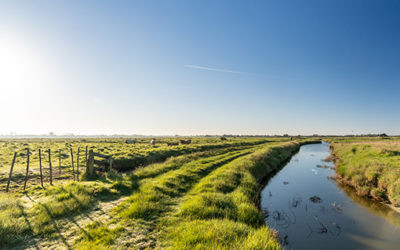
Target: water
[{"x": 312, "y": 211}]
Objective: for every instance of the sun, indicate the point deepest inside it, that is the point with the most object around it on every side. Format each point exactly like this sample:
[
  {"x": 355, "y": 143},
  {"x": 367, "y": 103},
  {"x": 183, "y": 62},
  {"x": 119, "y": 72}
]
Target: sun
[{"x": 20, "y": 65}]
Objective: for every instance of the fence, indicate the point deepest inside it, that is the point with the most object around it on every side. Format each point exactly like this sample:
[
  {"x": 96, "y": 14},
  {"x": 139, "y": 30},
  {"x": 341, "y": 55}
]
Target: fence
[
  {"x": 90, "y": 169},
  {"x": 65, "y": 172}
]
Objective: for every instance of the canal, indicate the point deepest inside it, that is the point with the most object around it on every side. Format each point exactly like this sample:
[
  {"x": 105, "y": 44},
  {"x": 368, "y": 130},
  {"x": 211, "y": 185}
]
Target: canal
[{"x": 310, "y": 210}]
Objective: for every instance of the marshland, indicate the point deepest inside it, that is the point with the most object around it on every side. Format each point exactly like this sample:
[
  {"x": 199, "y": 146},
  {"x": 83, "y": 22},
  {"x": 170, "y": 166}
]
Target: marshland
[
  {"x": 246, "y": 193},
  {"x": 199, "y": 124}
]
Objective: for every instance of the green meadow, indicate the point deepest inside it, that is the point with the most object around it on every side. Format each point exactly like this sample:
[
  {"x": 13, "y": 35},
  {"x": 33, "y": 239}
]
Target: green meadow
[
  {"x": 370, "y": 165},
  {"x": 204, "y": 195},
  {"x": 125, "y": 156},
  {"x": 201, "y": 195}
]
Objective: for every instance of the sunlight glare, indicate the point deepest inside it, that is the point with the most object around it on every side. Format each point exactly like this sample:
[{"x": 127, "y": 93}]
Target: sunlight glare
[{"x": 20, "y": 67}]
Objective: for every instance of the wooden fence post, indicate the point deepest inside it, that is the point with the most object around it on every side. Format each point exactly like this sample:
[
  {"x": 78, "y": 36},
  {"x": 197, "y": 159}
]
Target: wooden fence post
[
  {"x": 59, "y": 162},
  {"x": 72, "y": 162},
  {"x": 11, "y": 169},
  {"x": 51, "y": 169},
  {"x": 27, "y": 167},
  {"x": 77, "y": 166},
  {"x": 40, "y": 165},
  {"x": 86, "y": 160},
  {"x": 111, "y": 162},
  {"x": 90, "y": 163}
]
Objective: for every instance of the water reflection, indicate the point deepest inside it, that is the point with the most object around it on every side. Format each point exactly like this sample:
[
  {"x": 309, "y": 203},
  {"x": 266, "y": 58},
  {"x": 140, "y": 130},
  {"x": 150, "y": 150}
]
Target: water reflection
[
  {"x": 312, "y": 211},
  {"x": 372, "y": 206}
]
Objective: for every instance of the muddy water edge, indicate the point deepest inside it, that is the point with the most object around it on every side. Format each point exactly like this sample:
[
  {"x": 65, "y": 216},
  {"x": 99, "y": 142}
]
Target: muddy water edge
[{"x": 310, "y": 210}]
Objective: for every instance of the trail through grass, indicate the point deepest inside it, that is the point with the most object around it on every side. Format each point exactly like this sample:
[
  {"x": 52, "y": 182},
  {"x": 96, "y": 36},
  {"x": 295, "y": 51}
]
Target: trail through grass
[
  {"x": 57, "y": 211},
  {"x": 221, "y": 212},
  {"x": 42, "y": 214},
  {"x": 207, "y": 203},
  {"x": 155, "y": 198}
]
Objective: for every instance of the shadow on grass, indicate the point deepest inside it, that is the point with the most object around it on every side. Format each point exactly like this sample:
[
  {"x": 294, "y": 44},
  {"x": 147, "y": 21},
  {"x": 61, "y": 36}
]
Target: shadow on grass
[
  {"x": 53, "y": 222},
  {"x": 30, "y": 229}
]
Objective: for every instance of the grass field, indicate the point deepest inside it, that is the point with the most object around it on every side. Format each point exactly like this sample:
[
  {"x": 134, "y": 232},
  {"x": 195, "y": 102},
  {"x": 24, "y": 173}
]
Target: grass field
[
  {"x": 202, "y": 195},
  {"x": 371, "y": 165},
  {"x": 126, "y": 156}
]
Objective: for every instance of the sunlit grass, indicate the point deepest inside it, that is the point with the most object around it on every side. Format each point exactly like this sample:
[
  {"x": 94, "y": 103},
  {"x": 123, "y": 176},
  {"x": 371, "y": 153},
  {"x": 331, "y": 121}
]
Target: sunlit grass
[
  {"x": 372, "y": 167},
  {"x": 36, "y": 213},
  {"x": 125, "y": 156},
  {"x": 224, "y": 205},
  {"x": 207, "y": 202},
  {"x": 217, "y": 185}
]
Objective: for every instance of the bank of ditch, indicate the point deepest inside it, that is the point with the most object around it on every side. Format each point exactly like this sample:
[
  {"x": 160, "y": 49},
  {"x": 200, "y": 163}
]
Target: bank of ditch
[
  {"x": 372, "y": 168},
  {"x": 207, "y": 203}
]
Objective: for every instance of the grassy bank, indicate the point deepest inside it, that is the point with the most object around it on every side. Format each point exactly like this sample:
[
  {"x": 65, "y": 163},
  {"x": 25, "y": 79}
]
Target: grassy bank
[
  {"x": 221, "y": 210},
  {"x": 203, "y": 203},
  {"x": 371, "y": 167}
]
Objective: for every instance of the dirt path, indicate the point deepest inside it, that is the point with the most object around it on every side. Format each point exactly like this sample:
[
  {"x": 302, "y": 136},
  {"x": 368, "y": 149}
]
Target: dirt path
[{"x": 69, "y": 229}]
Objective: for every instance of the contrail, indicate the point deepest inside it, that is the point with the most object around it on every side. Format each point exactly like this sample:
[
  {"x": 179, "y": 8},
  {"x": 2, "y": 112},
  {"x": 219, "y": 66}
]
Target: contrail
[{"x": 212, "y": 69}]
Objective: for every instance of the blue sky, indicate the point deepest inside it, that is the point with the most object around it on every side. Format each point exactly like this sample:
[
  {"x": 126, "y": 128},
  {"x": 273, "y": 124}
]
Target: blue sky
[{"x": 200, "y": 67}]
